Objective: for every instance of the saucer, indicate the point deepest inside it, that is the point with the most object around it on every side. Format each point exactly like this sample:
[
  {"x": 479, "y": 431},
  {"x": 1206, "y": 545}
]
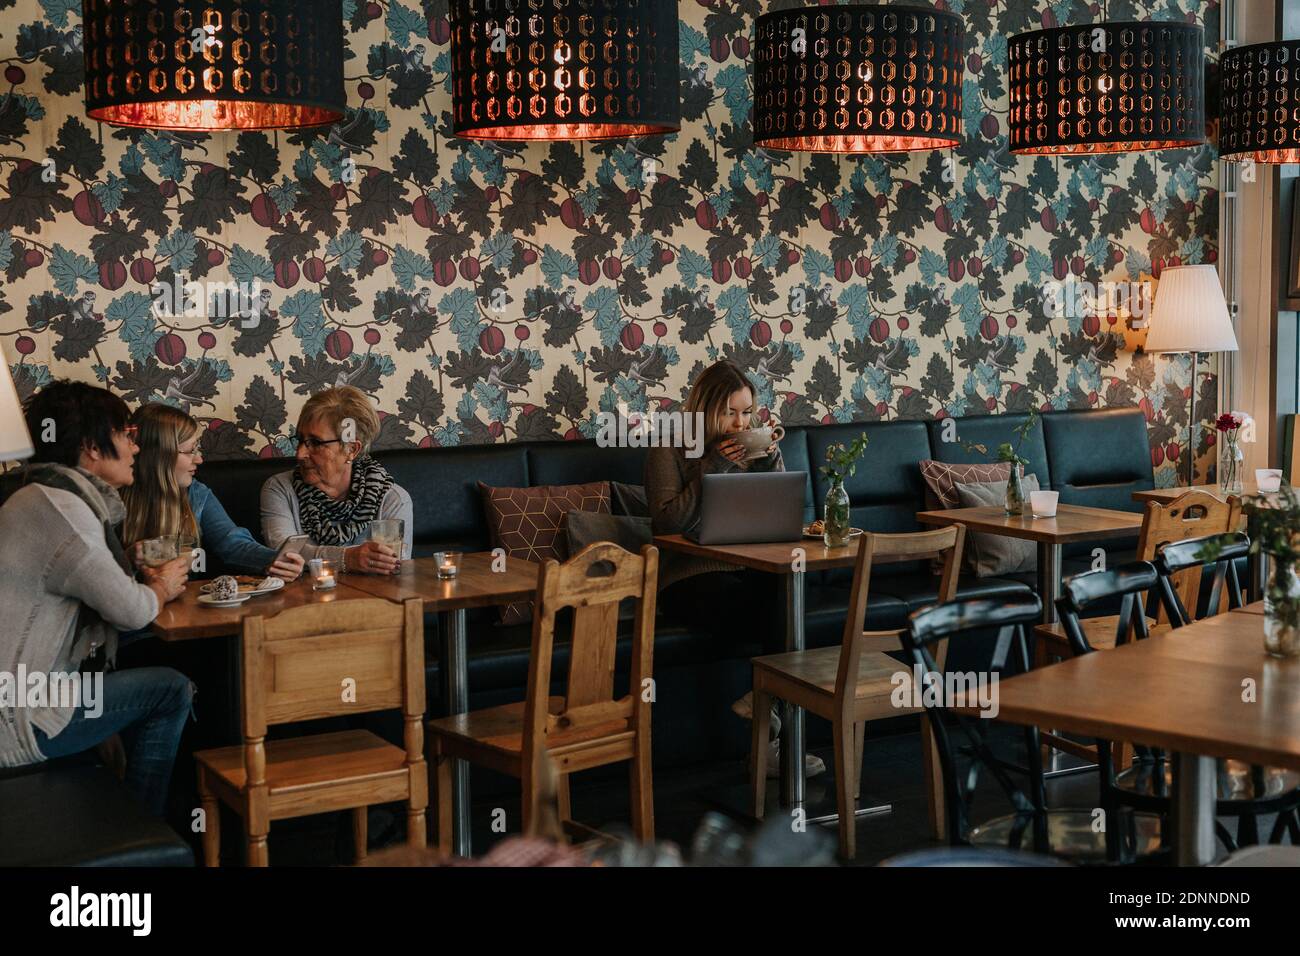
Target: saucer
[{"x": 210, "y": 601}]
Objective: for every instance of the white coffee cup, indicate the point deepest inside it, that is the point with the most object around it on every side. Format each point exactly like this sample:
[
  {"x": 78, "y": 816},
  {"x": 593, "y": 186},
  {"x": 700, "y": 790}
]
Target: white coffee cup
[
  {"x": 1268, "y": 480},
  {"x": 1043, "y": 503},
  {"x": 756, "y": 441}
]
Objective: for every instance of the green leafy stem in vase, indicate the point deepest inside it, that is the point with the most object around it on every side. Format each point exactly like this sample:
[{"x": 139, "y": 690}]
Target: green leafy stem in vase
[
  {"x": 1273, "y": 524},
  {"x": 1006, "y": 451},
  {"x": 842, "y": 460}
]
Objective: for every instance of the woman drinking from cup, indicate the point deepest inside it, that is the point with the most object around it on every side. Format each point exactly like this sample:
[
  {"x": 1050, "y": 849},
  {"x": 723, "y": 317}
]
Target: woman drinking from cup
[
  {"x": 165, "y": 499},
  {"x": 338, "y": 491},
  {"x": 728, "y": 597}
]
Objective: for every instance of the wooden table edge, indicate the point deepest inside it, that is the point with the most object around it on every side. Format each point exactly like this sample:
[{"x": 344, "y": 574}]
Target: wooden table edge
[
  {"x": 683, "y": 545},
  {"x": 1173, "y": 741},
  {"x": 947, "y": 517},
  {"x": 208, "y": 631}
]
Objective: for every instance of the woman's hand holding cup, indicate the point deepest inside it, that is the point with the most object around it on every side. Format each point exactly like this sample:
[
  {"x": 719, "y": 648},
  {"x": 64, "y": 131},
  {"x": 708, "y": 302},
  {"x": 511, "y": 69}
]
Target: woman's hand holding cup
[
  {"x": 168, "y": 580},
  {"x": 732, "y": 450},
  {"x": 372, "y": 557}
]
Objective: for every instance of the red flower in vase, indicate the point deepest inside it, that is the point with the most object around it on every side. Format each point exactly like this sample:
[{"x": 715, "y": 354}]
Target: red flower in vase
[{"x": 1227, "y": 422}]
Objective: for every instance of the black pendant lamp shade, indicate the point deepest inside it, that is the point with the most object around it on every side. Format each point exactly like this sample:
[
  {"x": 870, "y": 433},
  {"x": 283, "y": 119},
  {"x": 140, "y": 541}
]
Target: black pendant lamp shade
[
  {"x": 564, "y": 69},
  {"x": 1107, "y": 88},
  {"x": 1259, "y": 91},
  {"x": 213, "y": 64},
  {"x": 858, "y": 78}
]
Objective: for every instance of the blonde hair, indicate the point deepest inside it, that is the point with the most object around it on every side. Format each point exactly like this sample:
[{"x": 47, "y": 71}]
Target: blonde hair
[
  {"x": 713, "y": 390},
  {"x": 155, "y": 502},
  {"x": 334, "y": 406}
]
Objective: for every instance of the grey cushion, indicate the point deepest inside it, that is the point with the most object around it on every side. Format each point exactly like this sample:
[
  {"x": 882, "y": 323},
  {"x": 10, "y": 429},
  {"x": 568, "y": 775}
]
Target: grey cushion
[
  {"x": 993, "y": 554},
  {"x": 629, "y": 499},
  {"x": 584, "y": 527}
]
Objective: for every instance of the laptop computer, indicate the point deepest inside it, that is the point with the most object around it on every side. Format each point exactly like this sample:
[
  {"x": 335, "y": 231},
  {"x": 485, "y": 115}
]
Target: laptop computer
[{"x": 750, "y": 509}]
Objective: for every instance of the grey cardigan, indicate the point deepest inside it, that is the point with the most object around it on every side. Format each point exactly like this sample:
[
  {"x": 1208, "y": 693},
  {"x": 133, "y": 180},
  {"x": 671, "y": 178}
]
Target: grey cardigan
[
  {"x": 673, "y": 489},
  {"x": 280, "y": 518},
  {"x": 52, "y": 561}
]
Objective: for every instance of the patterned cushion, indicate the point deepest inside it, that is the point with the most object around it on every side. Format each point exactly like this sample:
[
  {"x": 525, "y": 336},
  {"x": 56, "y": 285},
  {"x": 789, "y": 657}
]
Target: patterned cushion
[
  {"x": 529, "y": 524},
  {"x": 942, "y": 478}
]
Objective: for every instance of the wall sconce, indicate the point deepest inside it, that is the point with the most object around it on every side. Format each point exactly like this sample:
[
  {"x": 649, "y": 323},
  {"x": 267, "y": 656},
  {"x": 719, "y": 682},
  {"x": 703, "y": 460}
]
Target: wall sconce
[
  {"x": 563, "y": 69},
  {"x": 858, "y": 78},
  {"x": 1107, "y": 88},
  {"x": 209, "y": 65}
]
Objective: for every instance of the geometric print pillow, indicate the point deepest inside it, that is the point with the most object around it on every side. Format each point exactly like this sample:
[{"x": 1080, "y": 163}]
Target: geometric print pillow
[
  {"x": 942, "y": 478},
  {"x": 529, "y": 524}
]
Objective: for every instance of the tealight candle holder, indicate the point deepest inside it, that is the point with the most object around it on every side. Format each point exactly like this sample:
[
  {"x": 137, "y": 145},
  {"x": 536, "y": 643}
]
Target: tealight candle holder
[
  {"x": 324, "y": 575},
  {"x": 447, "y": 563}
]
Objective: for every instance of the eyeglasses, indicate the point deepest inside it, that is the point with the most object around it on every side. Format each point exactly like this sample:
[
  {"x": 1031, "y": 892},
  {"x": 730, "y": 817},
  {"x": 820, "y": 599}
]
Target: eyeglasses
[
  {"x": 132, "y": 432},
  {"x": 315, "y": 443}
]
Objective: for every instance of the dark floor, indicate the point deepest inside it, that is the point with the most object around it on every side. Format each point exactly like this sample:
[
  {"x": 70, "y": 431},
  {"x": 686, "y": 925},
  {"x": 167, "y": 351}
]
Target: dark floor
[{"x": 683, "y": 798}]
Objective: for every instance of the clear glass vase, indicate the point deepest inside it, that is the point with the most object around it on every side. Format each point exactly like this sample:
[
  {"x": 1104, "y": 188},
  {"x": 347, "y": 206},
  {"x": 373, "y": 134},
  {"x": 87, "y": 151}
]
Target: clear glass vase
[
  {"x": 1232, "y": 462},
  {"x": 1282, "y": 612},
  {"x": 835, "y": 516},
  {"x": 1016, "y": 490}
]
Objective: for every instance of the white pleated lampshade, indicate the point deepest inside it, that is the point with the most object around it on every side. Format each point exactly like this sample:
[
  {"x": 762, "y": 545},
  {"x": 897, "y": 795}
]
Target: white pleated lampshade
[
  {"x": 15, "y": 442},
  {"x": 1190, "y": 313}
]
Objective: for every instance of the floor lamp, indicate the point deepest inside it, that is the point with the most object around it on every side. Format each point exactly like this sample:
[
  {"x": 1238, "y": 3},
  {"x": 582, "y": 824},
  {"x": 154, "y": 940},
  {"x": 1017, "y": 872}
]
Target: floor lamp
[
  {"x": 1190, "y": 314},
  {"x": 15, "y": 442}
]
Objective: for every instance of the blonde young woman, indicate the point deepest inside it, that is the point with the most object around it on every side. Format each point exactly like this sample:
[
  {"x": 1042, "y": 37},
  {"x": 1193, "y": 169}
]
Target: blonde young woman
[
  {"x": 338, "y": 489},
  {"x": 692, "y": 589},
  {"x": 165, "y": 498}
]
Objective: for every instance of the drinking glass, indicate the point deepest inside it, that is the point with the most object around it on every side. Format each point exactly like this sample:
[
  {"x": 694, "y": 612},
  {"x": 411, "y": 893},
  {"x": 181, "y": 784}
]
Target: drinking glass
[
  {"x": 158, "y": 551},
  {"x": 390, "y": 532}
]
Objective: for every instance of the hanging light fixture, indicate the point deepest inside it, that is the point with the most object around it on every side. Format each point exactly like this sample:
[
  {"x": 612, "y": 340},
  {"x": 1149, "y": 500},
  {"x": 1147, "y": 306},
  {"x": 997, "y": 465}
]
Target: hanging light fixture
[
  {"x": 213, "y": 64},
  {"x": 858, "y": 78},
  {"x": 563, "y": 69},
  {"x": 1259, "y": 93},
  {"x": 1107, "y": 88}
]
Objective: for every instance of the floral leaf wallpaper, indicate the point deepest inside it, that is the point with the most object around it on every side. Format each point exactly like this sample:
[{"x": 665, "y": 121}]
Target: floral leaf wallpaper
[{"x": 490, "y": 293}]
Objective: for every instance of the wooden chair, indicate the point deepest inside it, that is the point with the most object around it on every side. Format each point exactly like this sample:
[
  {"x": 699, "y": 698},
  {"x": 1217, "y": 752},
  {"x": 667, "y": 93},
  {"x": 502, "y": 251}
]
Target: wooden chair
[
  {"x": 587, "y": 727},
  {"x": 852, "y": 684},
  {"x": 1192, "y": 515},
  {"x": 307, "y": 663}
]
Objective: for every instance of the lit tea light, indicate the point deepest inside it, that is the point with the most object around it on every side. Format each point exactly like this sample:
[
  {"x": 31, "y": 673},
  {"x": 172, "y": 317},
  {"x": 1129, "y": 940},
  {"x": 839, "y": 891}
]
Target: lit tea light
[
  {"x": 448, "y": 563},
  {"x": 323, "y": 575}
]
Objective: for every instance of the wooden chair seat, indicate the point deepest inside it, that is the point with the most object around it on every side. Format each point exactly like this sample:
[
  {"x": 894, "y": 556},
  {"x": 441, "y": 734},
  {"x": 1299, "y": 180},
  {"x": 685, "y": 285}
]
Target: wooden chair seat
[
  {"x": 494, "y": 737},
  {"x": 816, "y": 671},
  {"x": 301, "y": 764},
  {"x": 1100, "y": 632}
]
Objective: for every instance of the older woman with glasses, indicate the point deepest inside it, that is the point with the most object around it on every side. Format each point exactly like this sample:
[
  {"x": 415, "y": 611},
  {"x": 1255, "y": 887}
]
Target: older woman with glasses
[{"x": 338, "y": 490}]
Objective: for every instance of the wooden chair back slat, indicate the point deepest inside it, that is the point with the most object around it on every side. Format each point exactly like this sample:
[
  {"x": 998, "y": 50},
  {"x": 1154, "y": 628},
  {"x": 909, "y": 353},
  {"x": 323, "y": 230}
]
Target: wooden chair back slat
[
  {"x": 944, "y": 543},
  {"x": 592, "y": 583},
  {"x": 331, "y": 660},
  {"x": 1191, "y": 515}
]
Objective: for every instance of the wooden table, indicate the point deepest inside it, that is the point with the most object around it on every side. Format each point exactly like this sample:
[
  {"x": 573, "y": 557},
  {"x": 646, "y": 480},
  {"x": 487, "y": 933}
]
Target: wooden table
[
  {"x": 1073, "y": 523},
  {"x": 185, "y": 619},
  {"x": 475, "y": 585},
  {"x": 779, "y": 558},
  {"x": 1182, "y": 691},
  {"x": 1166, "y": 495}
]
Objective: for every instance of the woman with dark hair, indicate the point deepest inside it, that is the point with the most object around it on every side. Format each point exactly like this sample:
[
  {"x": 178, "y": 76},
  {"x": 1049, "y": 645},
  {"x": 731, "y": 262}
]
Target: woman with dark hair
[{"x": 67, "y": 588}]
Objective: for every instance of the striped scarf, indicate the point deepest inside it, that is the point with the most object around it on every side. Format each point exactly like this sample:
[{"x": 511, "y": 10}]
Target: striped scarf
[{"x": 339, "y": 523}]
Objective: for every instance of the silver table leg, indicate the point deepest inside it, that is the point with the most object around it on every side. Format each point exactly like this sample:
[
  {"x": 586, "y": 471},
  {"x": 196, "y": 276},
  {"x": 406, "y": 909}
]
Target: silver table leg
[
  {"x": 1192, "y": 812},
  {"x": 793, "y": 745},
  {"x": 455, "y": 689},
  {"x": 1049, "y": 578}
]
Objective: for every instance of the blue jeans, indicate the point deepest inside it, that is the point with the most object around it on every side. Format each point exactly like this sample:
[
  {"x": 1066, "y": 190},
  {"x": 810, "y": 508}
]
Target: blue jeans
[{"x": 148, "y": 706}]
